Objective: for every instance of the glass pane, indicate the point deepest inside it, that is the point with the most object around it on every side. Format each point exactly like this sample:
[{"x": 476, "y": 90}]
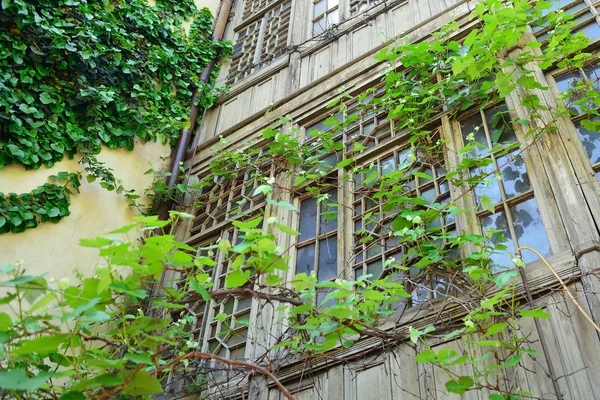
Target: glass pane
[
  {"x": 308, "y": 219},
  {"x": 328, "y": 214},
  {"x": 332, "y": 3},
  {"x": 514, "y": 176},
  {"x": 238, "y": 337},
  {"x": 569, "y": 82},
  {"x": 358, "y": 272},
  {"x": 593, "y": 74},
  {"x": 327, "y": 258},
  {"x": 499, "y": 125},
  {"x": 319, "y": 26},
  {"x": 591, "y": 143},
  {"x": 429, "y": 195},
  {"x": 387, "y": 165},
  {"x": 319, "y": 8},
  {"x": 529, "y": 229},
  {"x": 489, "y": 185},
  {"x": 334, "y": 18},
  {"x": 591, "y": 30},
  {"x": 375, "y": 269},
  {"x": 238, "y": 354},
  {"x": 474, "y": 125},
  {"x": 306, "y": 259},
  {"x": 499, "y": 222},
  {"x": 374, "y": 249},
  {"x": 419, "y": 295}
]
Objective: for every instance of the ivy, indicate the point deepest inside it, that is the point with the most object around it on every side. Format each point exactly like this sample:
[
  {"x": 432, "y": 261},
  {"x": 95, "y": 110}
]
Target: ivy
[
  {"x": 76, "y": 75},
  {"x": 49, "y": 202}
]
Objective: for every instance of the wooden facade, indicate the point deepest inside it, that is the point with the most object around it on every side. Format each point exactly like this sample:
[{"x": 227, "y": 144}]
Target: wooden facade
[{"x": 296, "y": 73}]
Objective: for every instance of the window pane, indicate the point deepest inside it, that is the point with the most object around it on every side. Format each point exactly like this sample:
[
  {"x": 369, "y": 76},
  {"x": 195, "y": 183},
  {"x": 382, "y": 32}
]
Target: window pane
[
  {"x": 319, "y": 8},
  {"x": 499, "y": 222},
  {"x": 327, "y": 259},
  {"x": 591, "y": 143},
  {"x": 499, "y": 125},
  {"x": 569, "y": 82},
  {"x": 375, "y": 269},
  {"x": 308, "y": 219},
  {"x": 333, "y": 18},
  {"x": 514, "y": 176},
  {"x": 529, "y": 229},
  {"x": 319, "y": 26},
  {"x": 474, "y": 125},
  {"x": 328, "y": 214},
  {"x": 591, "y": 30},
  {"x": 332, "y": 3},
  {"x": 305, "y": 259},
  {"x": 593, "y": 74},
  {"x": 489, "y": 185}
]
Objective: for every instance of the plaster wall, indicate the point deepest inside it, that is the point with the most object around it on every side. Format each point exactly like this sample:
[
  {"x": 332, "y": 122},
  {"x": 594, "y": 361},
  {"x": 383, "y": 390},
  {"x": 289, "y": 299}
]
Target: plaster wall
[
  {"x": 53, "y": 248},
  {"x": 212, "y": 5}
]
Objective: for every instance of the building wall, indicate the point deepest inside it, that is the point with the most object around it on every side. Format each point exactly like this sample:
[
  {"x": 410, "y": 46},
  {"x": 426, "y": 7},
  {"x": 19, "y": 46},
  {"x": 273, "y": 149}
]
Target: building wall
[
  {"x": 53, "y": 248},
  {"x": 307, "y": 76}
]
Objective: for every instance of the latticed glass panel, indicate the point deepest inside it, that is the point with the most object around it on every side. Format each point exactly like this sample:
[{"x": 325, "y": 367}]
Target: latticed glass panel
[
  {"x": 374, "y": 241},
  {"x": 251, "y": 7},
  {"x": 227, "y": 198},
  {"x": 317, "y": 242},
  {"x": 260, "y": 42},
  {"x": 357, "y": 6},
  {"x": 227, "y": 335},
  {"x": 584, "y": 17},
  {"x": 503, "y": 180}
]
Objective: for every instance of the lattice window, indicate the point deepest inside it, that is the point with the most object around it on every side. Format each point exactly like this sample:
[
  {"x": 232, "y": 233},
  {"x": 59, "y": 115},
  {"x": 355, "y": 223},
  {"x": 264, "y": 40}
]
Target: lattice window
[
  {"x": 357, "y": 6},
  {"x": 326, "y": 13},
  {"x": 374, "y": 242},
  {"x": 317, "y": 243},
  {"x": 366, "y": 127},
  {"x": 516, "y": 215},
  {"x": 227, "y": 337},
  {"x": 251, "y": 7},
  {"x": 584, "y": 17},
  {"x": 260, "y": 42},
  {"x": 230, "y": 197}
]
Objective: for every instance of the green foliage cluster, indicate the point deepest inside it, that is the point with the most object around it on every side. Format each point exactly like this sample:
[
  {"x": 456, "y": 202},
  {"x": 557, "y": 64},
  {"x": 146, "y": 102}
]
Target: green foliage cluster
[
  {"x": 76, "y": 75},
  {"x": 123, "y": 333},
  {"x": 49, "y": 202}
]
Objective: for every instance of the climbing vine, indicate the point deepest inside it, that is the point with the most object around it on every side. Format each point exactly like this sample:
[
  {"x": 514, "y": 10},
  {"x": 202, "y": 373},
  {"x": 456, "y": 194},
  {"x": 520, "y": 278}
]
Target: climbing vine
[
  {"x": 76, "y": 75},
  {"x": 130, "y": 336}
]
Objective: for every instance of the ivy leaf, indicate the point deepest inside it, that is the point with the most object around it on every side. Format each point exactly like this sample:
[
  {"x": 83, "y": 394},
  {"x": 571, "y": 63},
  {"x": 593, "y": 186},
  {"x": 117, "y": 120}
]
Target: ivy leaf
[
  {"x": 15, "y": 151},
  {"x": 536, "y": 313},
  {"x": 492, "y": 330},
  {"x": 142, "y": 383},
  {"x": 41, "y": 345},
  {"x": 463, "y": 384},
  {"x": 236, "y": 278},
  {"x": 486, "y": 203},
  {"x": 45, "y": 98},
  {"x": 17, "y": 379}
]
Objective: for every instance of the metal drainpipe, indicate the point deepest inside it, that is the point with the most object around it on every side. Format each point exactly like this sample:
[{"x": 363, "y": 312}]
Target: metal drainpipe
[{"x": 185, "y": 135}]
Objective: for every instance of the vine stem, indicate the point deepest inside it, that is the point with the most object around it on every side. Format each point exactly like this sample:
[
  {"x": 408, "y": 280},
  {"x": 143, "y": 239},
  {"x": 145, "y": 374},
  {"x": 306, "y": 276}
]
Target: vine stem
[
  {"x": 591, "y": 321},
  {"x": 233, "y": 363}
]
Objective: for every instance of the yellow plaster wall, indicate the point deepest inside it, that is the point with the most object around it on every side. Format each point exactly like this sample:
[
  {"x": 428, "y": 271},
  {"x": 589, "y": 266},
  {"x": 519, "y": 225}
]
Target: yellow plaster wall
[{"x": 53, "y": 248}]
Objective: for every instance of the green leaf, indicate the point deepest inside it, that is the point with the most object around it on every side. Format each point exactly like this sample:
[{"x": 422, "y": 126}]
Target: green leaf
[
  {"x": 463, "y": 384},
  {"x": 200, "y": 289},
  {"x": 502, "y": 279},
  {"x": 496, "y": 328},
  {"x": 41, "y": 345},
  {"x": 236, "y": 278},
  {"x": 139, "y": 358},
  {"x": 471, "y": 37},
  {"x": 17, "y": 379},
  {"x": 536, "y": 313},
  {"x": 123, "y": 288},
  {"x": 514, "y": 360},
  {"x": 283, "y": 204},
  {"x": 123, "y": 229},
  {"x": 142, "y": 383},
  {"x": 286, "y": 229},
  {"x": 5, "y": 322},
  {"x": 487, "y": 203}
]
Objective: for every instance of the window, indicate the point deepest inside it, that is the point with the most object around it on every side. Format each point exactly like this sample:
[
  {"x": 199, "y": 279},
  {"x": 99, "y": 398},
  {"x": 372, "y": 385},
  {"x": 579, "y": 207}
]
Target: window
[
  {"x": 251, "y": 7},
  {"x": 317, "y": 242},
  {"x": 516, "y": 216},
  {"x": 572, "y": 87},
  {"x": 325, "y": 14},
  {"x": 227, "y": 337},
  {"x": 374, "y": 242},
  {"x": 259, "y": 42},
  {"x": 584, "y": 17},
  {"x": 357, "y": 6},
  {"x": 230, "y": 197}
]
